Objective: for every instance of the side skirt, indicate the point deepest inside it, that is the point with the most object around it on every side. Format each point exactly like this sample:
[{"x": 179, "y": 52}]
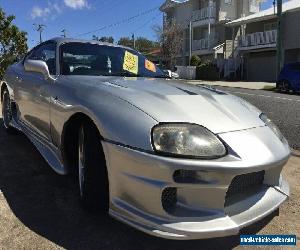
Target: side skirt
[{"x": 48, "y": 151}]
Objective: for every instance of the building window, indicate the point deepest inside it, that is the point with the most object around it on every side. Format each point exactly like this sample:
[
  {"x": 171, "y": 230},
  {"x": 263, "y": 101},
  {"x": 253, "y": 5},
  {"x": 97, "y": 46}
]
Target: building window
[
  {"x": 228, "y": 1},
  {"x": 270, "y": 26}
]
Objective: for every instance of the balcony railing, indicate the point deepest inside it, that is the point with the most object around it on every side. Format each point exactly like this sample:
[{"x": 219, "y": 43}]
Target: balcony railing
[
  {"x": 204, "y": 13},
  {"x": 203, "y": 44},
  {"x": 258, "y": 38}
]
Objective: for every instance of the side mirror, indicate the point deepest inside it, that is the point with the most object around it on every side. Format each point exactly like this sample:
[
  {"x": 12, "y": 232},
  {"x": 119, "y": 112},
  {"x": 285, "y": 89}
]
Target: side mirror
[
  {"x": 168, "y": 73},
  {"x": 37, "y": 66},
  {"x": 171, "y": 74}
]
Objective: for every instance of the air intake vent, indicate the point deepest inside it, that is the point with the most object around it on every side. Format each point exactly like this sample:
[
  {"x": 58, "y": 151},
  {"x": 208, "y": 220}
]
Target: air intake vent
[
  {"x": 245, "y": 183},
  {"x": 169, "y": 199}
]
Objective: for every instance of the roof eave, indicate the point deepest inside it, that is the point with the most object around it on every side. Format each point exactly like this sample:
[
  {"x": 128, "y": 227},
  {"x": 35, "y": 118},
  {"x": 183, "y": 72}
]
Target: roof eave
[
  {"x": 254, "y": 20},
  {"x": 169, "y": 4}
]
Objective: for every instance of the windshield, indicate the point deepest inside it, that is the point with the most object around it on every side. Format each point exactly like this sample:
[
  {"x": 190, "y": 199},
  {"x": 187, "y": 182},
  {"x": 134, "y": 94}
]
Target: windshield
[
  {"x": 295, "y": 67},
  {"x": 104, "y": 60}
]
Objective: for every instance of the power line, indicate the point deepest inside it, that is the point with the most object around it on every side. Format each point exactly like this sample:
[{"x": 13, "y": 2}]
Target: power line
[
  {"x": 126, "y": 20},
  {"x": 146, "y": 23}
]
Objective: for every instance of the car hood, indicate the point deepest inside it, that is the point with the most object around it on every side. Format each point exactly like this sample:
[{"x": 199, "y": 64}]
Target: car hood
[{"x": 176, "y": 101}]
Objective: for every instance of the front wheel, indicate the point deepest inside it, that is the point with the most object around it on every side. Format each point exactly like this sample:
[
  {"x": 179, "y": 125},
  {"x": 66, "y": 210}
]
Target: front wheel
[
  {"x": 92, "y": 172},
  {"x": 285, "y": 87}
]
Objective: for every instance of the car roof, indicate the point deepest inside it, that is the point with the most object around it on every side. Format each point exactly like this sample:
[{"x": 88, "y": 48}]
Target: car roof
[
  {"x": 292, "y": 64},
  {"x": 61, "y": 40}
]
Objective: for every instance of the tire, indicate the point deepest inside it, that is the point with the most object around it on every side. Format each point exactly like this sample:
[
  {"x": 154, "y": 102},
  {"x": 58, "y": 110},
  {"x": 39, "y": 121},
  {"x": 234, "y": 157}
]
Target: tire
[
  {"x": 7, "y": 112},
  {"x": 286, "y": 86},
  {"x": 92, "y": 171},
  {"x": 279, "y": 87}
]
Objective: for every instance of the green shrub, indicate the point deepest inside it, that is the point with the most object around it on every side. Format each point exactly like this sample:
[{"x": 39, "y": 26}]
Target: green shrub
[
  {"x": 195, "y": 60},
  {"x": 207, "y": 71}
]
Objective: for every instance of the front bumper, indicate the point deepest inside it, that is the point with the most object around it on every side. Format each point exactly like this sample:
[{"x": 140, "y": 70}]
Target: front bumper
[{"x": 138, "y": 179}]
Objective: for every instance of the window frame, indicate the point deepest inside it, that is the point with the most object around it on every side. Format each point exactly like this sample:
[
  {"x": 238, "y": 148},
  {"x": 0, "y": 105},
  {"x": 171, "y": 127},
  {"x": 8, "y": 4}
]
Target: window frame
[{"x": 38, "y": 47}]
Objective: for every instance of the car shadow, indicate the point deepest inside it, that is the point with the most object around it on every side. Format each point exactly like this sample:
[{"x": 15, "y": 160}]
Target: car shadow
[
  {"x": 48, "y": 205},
  {"x": 296, "y": 93}
]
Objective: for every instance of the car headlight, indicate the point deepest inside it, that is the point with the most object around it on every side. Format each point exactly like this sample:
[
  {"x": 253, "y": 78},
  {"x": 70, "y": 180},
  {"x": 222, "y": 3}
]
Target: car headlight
[
  {"x": 187, "y": 140},
  {"x": 272, "y": 126}
]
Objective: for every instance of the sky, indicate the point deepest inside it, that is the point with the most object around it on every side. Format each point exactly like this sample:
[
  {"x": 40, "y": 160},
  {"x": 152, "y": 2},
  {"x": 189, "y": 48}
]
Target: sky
[{"x": 94, "y": 17}]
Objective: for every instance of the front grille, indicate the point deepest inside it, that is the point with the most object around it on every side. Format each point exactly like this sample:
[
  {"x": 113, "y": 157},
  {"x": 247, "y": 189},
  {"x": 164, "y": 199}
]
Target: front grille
[
  {"x": 169, "y": 199},
  {"x": 244, "y": 183}
]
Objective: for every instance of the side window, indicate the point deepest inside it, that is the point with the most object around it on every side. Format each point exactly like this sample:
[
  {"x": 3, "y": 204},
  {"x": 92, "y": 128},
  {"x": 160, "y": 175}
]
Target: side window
[{"x": 45, "y": 53}]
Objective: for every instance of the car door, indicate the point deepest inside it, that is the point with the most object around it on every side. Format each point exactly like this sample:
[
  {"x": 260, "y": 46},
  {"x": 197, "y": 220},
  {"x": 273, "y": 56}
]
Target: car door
[{"x": 33, "y": 91}]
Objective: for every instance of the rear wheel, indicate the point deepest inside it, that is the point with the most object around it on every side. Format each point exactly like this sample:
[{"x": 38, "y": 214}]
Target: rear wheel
[
  {"x": 285, "y": 86},
  {"x": 7, "y": 112},
  {"x": 92, "y": 172}
]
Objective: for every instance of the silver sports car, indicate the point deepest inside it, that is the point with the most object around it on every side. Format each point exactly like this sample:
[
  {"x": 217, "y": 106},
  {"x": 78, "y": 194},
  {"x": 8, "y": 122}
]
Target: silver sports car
[{"x": 171, "y": 159}]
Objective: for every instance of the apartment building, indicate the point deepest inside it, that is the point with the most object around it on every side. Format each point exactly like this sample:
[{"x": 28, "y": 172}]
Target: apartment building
[
  {"x": 256, "y": 39},
  {"x": 203, "y": 22}
]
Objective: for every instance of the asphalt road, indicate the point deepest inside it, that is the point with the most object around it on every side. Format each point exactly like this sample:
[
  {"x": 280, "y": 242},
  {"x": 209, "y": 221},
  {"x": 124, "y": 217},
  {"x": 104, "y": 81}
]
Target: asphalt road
[{"x": 283, "y": 109}]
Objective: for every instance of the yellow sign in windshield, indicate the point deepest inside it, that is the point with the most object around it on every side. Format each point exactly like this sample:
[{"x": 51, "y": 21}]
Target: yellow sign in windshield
[
  {"x": 150, "y": 66},
  {"x": 131, "y": 62}
]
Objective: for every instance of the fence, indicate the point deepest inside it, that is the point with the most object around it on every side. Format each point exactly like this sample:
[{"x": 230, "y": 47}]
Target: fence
[{"x": 186, "y": 72}]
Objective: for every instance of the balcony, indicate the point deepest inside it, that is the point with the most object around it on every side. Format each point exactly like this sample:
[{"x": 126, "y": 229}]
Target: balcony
[
  {"x": 204, "y": 16},
  {"x": 258, "y": 40},
  {"x": 203, "y": 44}
]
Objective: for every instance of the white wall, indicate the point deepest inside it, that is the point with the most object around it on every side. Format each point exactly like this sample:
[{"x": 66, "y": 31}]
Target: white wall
[{"x": 183, "y": 13}]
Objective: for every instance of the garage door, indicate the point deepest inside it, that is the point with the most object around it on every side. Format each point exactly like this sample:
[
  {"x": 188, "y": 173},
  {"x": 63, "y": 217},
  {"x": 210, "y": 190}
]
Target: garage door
[{"x": 261, "y": 66}]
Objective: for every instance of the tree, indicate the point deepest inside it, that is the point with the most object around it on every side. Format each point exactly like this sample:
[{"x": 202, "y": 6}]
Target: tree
[
  {"x": 13, "y": 42},
  {"x": 126, "y": 41},
  {"x": 170, "y": 38},
  {"x": 105, "y": 39},
  {"x": 145, "y": 45}
]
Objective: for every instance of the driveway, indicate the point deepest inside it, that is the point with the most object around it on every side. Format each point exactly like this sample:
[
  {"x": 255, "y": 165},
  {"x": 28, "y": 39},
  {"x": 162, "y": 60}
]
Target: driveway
[{"x": 40, "y": 209}]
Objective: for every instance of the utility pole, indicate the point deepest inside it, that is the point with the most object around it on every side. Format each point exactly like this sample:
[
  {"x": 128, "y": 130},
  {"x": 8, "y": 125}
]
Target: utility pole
[
  {"x": 64, "y": 31},
  {"x": 279, "y": 38},
  {"x": 191, "y": 41},
  {"x": 133, "y": 40},
  {"x": 210, "y": 6},
  {"x": 40, "y": 29}
]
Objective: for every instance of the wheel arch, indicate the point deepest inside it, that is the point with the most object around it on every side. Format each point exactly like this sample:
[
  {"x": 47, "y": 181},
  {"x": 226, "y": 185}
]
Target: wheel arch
[{"x": 69, "y": 138}]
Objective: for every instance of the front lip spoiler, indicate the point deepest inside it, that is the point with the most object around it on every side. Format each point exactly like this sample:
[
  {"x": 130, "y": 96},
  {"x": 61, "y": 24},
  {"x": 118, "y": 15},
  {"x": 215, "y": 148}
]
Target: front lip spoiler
[{"x": 215, "y": 228}]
